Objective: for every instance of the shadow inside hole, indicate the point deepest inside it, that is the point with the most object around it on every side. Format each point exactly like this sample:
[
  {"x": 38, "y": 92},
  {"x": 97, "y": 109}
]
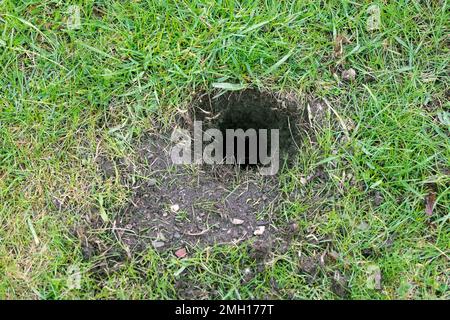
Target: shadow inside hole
[{"x": 246, "y": 110}]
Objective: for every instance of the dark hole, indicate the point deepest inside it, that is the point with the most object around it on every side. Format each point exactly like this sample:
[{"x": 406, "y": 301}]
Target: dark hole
[{"x": 251, "y": 109}]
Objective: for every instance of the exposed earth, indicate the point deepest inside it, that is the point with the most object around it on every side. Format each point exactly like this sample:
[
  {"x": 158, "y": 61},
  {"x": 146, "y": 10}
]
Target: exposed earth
[{"x": 179, "y": 205}]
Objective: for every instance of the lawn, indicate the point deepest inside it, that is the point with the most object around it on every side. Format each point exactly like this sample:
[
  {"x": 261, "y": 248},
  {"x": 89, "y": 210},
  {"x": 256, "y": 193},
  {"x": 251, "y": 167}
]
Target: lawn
[{"x": 367, "y": 200}]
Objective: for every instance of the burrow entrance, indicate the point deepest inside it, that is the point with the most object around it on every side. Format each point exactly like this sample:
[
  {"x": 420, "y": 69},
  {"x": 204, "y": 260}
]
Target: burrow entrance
[
  {"x": 251, "y": 110},
  {"x": 184, "y": 205}
]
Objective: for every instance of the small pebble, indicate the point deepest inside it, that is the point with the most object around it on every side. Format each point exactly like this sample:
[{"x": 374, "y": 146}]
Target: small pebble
[
  {"x": 237, "y": 221},
  {"x": 349, "y": 75},
  {"x": 157, "y": 244},
  {"x": 259, "y": 230},
  {"x": 181, "y": 253}
]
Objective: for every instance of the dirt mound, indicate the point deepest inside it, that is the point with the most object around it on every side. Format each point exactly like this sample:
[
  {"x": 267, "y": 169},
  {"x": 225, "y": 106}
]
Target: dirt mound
[
  {"x": 186, "y": 204},
  {"x": 210, "y": 204}
]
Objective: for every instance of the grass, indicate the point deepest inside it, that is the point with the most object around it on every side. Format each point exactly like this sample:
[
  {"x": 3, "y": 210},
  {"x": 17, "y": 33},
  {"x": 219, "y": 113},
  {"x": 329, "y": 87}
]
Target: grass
[{"x": 68, "y": 97}]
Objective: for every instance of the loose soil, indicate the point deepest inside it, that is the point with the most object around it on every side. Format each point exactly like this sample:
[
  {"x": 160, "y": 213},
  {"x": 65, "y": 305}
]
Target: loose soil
[{"x": 188, "y": 205}]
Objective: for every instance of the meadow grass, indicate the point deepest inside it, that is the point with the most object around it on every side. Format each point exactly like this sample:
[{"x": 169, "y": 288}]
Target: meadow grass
[{"x": 69, "y": 96}]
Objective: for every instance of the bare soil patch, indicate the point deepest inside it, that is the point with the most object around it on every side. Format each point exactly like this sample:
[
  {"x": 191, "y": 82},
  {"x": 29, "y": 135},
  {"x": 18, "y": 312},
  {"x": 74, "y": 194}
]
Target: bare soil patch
[{"x": 186, "y": 205}]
